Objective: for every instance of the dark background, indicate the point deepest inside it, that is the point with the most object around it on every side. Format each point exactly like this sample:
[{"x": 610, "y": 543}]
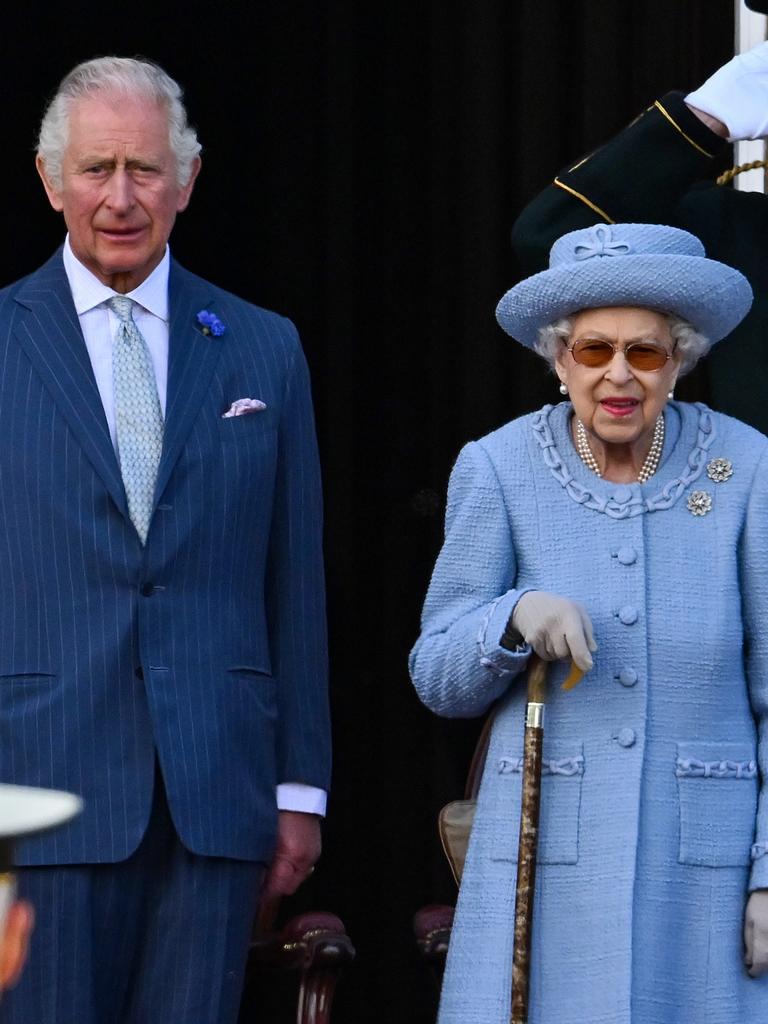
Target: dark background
[{"x": 363, "y": 163}]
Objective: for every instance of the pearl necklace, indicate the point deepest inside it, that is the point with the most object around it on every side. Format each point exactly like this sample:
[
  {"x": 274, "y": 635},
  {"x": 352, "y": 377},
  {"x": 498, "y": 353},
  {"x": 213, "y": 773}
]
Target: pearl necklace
[{"x": 650, "y": 465}]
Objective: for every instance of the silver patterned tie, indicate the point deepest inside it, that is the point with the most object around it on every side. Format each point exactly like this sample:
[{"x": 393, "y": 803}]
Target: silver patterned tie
[{"x": 138, "y": 416}]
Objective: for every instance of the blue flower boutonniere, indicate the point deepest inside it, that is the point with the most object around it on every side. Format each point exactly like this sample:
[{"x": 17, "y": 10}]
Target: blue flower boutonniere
[{"x": 210, "y": 324}]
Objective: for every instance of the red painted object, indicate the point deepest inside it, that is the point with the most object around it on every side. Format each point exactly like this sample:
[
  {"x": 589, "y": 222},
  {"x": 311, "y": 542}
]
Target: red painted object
[{"x": 316, "y": 948}]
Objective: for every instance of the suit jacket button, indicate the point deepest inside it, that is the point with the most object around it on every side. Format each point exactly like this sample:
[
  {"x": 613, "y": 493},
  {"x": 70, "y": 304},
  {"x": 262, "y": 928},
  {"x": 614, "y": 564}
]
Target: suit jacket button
[
  {"x": 147, "y": 589},
  {"x": 139, "y": 672}
]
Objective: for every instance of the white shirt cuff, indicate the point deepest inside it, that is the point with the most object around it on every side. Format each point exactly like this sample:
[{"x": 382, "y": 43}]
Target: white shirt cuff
[{"x": 296, "y": 796}]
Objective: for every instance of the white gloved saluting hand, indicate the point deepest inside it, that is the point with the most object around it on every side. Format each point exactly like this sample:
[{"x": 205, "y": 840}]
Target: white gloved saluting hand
[
  {"x": 756, "y": 933},
  {"x": 555, "y": 627},
  {"x": 737, "y": 95}
]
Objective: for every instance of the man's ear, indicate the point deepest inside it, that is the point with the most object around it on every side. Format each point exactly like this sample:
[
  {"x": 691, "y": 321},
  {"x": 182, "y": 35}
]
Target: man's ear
[
  {"x": 186, "y": 190},
  {"x": 54, "y": 195}
]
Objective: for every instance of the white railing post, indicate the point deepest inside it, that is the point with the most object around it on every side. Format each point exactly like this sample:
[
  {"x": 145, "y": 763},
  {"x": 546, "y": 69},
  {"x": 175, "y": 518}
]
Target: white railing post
[{"x": 751, "y": 29}]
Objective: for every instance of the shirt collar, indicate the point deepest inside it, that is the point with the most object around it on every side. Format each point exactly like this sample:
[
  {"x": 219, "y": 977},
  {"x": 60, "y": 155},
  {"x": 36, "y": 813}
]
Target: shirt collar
[{"x": 88, "y": 291}]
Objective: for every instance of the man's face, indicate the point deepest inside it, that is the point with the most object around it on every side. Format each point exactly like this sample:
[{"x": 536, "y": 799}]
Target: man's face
[{"x": 119, "y": 191}]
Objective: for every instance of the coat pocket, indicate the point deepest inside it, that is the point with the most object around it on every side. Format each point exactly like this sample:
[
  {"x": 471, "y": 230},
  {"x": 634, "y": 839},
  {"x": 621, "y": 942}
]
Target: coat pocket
[
  {"x": 717, "y": 789},
  {"x": 253, "y": 426},
  {"x": 561, "y": 779},
  {"x": 26, "y": 671},
  {"x": 261, "y": 684}
]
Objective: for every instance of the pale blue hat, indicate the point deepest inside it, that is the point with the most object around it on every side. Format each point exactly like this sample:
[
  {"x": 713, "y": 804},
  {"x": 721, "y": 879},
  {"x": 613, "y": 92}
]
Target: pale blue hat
[{"x": 648, "y": 265}]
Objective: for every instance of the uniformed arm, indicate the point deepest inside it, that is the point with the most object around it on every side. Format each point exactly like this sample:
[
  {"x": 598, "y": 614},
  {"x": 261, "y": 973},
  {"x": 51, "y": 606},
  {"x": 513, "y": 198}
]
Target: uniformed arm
[
  {"x": 639, "y": 176},
  {"x": 458, "y": 665},
  {"x": 734, "y": 101},
  {"x": 295, "y": 591}
]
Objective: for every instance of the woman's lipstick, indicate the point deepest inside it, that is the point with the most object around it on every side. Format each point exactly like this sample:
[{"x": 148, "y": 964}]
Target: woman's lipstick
[{"x": 620, "y": 406}]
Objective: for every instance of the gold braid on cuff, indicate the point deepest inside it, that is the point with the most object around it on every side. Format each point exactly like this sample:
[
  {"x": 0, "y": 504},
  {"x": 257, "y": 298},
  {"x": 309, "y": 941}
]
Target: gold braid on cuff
[{"x": 727, "y": 176}]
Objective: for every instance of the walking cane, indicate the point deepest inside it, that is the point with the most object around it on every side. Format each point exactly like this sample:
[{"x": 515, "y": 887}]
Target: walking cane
[{"x": 529, "y": 832}]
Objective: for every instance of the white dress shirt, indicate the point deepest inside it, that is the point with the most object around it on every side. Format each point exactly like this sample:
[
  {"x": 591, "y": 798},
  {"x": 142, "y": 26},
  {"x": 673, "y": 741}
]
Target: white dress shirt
[{"x": 150, "y": 313}]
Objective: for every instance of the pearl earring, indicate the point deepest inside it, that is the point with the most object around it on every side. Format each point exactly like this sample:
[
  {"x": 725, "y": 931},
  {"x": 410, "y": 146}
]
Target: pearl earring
[
  {"x": 563, "y": 388},
  {"x": 670, "y": 394}
]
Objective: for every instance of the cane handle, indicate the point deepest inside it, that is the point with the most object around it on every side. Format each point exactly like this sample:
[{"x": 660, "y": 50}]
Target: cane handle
[
  {"x": 574, "y": 677},
  {"x": 537, "y": 681}
]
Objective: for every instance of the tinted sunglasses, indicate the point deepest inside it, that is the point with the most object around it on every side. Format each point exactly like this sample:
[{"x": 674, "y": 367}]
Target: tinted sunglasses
[{"x": 641, "y": 355}]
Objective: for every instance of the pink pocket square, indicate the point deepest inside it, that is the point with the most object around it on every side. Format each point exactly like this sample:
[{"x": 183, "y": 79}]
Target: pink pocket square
[{"x": 242, "y": 406}]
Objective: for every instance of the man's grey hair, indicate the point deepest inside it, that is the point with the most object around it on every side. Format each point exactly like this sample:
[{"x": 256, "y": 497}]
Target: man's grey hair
[
  {"x": 689, "y": 343},
  {"x": 122, "y": 76}
]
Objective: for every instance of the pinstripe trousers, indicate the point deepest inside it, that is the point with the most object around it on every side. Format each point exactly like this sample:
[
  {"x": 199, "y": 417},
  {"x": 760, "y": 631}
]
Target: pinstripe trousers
[{"x": 160, "y": 938}]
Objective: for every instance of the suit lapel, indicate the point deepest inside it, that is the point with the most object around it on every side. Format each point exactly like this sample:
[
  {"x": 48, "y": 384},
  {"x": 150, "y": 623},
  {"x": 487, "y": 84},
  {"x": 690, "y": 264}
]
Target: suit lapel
[
  {"x": 192, "y": 357},
  {"x": 48, "y": 329}
]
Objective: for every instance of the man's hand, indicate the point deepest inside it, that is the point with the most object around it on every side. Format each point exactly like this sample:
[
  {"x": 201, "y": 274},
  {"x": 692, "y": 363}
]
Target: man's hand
[
  {"x": 14, "y": 943},
  {"x": 734, "y": 101},
  {"x": 756, "y": 933},
  {"x": 298, "y": 847}
]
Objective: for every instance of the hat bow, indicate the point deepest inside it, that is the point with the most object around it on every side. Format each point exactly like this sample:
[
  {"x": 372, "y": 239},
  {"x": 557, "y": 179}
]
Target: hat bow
[{"x": 600, "y": 243}]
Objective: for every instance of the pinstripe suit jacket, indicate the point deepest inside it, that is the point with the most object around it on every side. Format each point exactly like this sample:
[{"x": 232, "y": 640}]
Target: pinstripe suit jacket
[{"x": 208, "y": 645}]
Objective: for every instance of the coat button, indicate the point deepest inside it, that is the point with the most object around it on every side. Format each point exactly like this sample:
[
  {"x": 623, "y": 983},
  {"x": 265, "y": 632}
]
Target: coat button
[
  {"x": 626, "y": 738},
  {"x": 627, "y": 555},
  {"x": 147, "y": 589},
  {"x": 627, "y": 677},
  {"x": 622, "y": 495},
  {"x": 628, "y": 615}
]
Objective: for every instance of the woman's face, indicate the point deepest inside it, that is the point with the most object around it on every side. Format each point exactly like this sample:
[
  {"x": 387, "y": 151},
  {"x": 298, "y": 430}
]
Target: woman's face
[{"x": 616, "y": 402}]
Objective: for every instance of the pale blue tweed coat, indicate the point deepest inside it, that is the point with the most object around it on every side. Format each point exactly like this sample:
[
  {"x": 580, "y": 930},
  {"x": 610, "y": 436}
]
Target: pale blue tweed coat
[{"x": 654, "y": 820}]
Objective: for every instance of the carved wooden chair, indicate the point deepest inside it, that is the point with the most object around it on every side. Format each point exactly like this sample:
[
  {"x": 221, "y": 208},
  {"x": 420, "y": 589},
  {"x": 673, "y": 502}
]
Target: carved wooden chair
[
  {"x": 307, "y": 956},
  {"x": 432, "y": 924},
  {"x": 432, "y": 929}
]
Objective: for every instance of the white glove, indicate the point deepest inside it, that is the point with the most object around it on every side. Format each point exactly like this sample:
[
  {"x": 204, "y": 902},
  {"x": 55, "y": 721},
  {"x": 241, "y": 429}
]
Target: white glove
[
  {"x": 555, "y": 627},
  {"x": 756, "y": 933},
  {"x": 737, "y": 95}
]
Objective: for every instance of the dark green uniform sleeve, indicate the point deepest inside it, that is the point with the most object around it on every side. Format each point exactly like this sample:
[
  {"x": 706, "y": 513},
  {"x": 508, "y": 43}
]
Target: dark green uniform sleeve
[{"x": 639, "y": 176}]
